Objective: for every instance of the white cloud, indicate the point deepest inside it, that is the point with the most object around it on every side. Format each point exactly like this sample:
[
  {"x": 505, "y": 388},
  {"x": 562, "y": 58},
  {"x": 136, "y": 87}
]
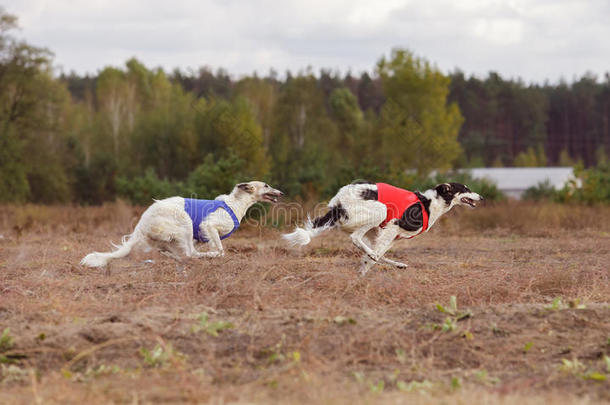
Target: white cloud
[{"x": 532, "y": 39}]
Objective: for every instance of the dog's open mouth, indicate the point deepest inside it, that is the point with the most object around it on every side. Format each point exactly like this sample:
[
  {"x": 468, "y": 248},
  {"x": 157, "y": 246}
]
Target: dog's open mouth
[
  {"x": 271, "y": 197},
  {"x": 468, "y": 201}
]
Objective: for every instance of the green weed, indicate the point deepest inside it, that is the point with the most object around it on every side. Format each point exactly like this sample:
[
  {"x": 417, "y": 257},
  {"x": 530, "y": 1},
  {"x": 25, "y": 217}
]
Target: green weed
[
  {"x": 162, "y": 356},
  {"x": 414, "y": 386},
  {"x": 484, "y": 377},
  {"x": 211, "y": 328},
  {"x": 6, "y": 341},
  {"x": 450, "y": 323}
]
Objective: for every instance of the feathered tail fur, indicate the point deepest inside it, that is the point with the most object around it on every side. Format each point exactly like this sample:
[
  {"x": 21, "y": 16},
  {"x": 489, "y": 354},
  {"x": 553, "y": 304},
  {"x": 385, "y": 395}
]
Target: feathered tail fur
[
  {"x": 311, "y": 229},
  {"x": 98, "y": 259}
]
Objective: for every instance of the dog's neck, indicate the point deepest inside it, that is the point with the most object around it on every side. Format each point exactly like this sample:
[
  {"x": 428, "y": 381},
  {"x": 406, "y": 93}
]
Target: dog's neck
[
  {"x": 438, "y": 207},
  {"x": 239, "y": 202}
]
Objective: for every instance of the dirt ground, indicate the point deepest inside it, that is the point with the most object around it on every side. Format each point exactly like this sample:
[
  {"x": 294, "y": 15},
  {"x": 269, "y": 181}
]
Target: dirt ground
[{"x": 265, "y": 323}]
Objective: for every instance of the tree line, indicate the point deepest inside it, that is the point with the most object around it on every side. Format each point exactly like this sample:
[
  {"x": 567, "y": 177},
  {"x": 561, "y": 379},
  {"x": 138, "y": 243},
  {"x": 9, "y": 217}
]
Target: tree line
[{"x": 138, "y": 132}]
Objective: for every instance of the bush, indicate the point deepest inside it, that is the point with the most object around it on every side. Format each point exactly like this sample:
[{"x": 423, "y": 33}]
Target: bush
[
  {"x": 594, "y": 186},
  {"x": 207, "y": 181},
  {"x": 542, "y": 191},
  {"x": 213, "y": 178},
  {"x": 141, "y": 190}
]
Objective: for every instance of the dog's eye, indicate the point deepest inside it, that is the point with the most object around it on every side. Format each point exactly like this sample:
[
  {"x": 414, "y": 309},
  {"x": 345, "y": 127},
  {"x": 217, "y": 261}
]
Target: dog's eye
[{"x": 266, "y": 185}]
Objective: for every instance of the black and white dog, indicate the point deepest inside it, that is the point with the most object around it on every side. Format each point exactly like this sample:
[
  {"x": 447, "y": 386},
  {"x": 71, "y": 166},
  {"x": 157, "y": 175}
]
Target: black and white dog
[
  {"x": 384, "y": 213},
  {"x": 173, "y": 224}
]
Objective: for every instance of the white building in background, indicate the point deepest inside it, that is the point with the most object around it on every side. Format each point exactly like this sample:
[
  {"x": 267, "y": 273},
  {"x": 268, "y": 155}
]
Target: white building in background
[{"x": 513, "y": 181}]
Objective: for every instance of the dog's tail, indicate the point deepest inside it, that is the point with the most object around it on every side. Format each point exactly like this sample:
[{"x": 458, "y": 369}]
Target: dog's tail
[
  {"x": 302, "y": 236},
  {"x": 98, "y": 259}
]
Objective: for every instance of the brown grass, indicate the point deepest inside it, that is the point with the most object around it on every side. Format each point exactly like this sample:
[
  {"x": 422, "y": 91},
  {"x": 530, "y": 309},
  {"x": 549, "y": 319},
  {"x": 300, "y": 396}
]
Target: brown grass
[{"x": 307, "y": 329}]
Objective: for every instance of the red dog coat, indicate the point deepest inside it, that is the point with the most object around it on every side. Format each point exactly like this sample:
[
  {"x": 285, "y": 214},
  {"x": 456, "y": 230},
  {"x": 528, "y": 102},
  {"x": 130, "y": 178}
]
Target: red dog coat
[{"x": 397, "y": 201}]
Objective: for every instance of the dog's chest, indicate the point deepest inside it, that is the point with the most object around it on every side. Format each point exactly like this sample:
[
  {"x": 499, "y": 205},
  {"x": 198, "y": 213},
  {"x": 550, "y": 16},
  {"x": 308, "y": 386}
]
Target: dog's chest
[{"x": 207, "y": 214}]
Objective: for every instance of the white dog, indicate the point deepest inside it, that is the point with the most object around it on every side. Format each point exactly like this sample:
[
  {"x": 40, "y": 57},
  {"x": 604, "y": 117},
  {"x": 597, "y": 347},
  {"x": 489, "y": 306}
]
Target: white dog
[
  {"x": 390, "y": 212},
  {"x": 172, "y": 224}
]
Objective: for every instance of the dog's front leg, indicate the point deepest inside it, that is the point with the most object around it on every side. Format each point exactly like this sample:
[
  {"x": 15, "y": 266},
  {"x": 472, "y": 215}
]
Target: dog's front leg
[
  {"x": 214, "y": 238},
  {"x": 366, "y": 265}
]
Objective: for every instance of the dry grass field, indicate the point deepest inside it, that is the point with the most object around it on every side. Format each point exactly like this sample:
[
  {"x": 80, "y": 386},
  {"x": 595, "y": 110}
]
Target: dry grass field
[{"x": 266, "y": 324}]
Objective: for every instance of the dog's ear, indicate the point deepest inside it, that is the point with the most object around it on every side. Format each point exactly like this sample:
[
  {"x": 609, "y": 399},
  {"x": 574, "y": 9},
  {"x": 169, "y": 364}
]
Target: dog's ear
[
  {"x": 246, "y": 187},
  {"x": 444, "y": 188}
]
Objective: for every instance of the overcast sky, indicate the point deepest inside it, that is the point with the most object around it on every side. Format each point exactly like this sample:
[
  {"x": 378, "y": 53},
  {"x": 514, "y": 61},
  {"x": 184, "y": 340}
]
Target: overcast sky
[{"x": 531, "y": 39}]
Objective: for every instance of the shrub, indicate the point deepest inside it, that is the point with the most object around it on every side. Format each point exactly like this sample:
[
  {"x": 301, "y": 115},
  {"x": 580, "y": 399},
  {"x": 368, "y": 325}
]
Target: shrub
[
  {"x": 208, "y": 180},
  {"x": 594, "y": 186},
  {"x": 544, "y": 190},
  {"x": 213, "y": 178},
  {"x": 141, "y": 190}
]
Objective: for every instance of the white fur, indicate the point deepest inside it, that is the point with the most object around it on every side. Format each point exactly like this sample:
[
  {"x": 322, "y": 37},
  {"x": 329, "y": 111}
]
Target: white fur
[
  {"x": 166, "y": 226},
  {"x": 302, "y": 236},
  {"x": 365, "y": 216}
]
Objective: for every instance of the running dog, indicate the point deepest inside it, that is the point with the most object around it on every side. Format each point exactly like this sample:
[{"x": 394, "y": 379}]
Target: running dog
[
  {"x": 171, "y": 225},
  {"x": 384, "y": 213}
]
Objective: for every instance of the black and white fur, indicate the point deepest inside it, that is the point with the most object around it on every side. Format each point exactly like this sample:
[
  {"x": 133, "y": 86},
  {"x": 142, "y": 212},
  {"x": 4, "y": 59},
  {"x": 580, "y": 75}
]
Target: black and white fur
[
  {"x": 165, "y": 225},
  {"x": 356, "y": 209}
]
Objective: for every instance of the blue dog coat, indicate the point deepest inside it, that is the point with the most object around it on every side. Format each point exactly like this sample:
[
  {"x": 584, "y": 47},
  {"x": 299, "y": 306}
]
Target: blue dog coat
[{"x": 199, "y": 210}]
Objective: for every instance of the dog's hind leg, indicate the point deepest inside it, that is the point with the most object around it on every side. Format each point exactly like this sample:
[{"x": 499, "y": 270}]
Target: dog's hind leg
[
  {"x": 358, "y": 240},
  {"x": 363, "y": 217},
  {"x": 187, "y": 244},
  {"x": 394, "y": 263},
  {"x": 381, "y": 245}
]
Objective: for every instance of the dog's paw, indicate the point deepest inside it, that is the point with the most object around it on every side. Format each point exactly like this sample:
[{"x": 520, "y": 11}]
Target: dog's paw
[
  {"x": 374, "y": 257},
  {"x": 401, "y": 265},
  {"x": 214, "y": 254}
]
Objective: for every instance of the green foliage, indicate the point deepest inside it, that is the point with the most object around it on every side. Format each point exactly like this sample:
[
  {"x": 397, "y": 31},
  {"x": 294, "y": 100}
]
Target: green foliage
[
  {"x": 345, "y": 111},
  {"x": 231, "y": 126},
  {"x": 484, "y": 377},
  {"x": 532, "y": 157},
  {"x": 211, "y": 327},
  {"x": 542, "y": 191},
  {"x": 594, "y": 186},
  {"x": 142, "y": 190},
  {"x": 565, "y": 159},
  {"x": 32, "y": 126},
  {"x": 140, "y": 133},
  {"x": 207, "y": 181},
  {"x": 378, "y": 387},
  {"x": 419, "y": 128},
  {"x": 450, "y": 322},
  {"x": 162, "y": 356},
  {"x": 557, "y": 304},
  {"x": 456, "y": 383},
  {"x": 14, "y": 186},
  {"x": 305, "y": 142},
  {"x": 414, "y": 386},
  {"x": 6, "y": 341},
  {"x": 215, "y": 177}
]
